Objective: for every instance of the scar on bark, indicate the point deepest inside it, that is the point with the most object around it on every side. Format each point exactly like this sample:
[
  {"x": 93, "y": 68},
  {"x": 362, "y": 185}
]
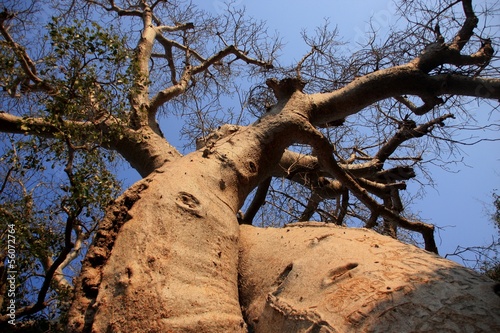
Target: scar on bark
[
  {"x": 189, "y": 203},
  {"x": 295, "y": 314},
  {"x": 339, "y": 272},
  {"x": 280, "y": 281}
]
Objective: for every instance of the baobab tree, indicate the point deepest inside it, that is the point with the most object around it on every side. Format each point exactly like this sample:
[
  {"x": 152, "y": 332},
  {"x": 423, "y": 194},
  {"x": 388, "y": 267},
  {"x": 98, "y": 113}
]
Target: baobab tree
[{"x": 176, "y": 251}]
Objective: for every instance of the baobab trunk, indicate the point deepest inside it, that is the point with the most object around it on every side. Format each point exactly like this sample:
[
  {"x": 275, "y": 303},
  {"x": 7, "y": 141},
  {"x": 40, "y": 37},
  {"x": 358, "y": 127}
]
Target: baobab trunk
[
  {"x": 173, "y": 266},
  {"x": 166, "y": 255},
  {"x": 171, "y": 257},
  {"x": 319, "y": 277}
]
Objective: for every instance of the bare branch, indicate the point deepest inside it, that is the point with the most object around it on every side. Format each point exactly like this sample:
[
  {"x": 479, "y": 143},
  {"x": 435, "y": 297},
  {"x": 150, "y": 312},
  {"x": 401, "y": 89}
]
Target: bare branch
[
  {"x": 167, "y": 94},
  {"x": 440, "y": 53},
  {"x": 397, "y": 81},
  {"x": 293, "y": 164},
  {"x": 171, "y": 92},
  {"x": 430, "y": 102},
  {"x": 467, "y": 30},
  {"x": 165, "y": 42},
  {"x": 27, "y": 64},
  {"x": 408, "y": 130},
  {"x": 231, "y": 49},
  {"x": 258, "y": 200},
  {"x": 311, "y": 207},
  {"x": 118, "y": 10},
  {"x": 326, "y": 158},
  {"x": 168, "y": 44},
  {"x": 179, "y": 27},
  {"x": 301, "y": 62}
]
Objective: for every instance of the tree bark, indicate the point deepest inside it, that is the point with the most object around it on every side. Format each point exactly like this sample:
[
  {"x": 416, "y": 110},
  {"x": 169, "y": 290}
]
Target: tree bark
[
  {"x": 166, "y": 257},
  {"x": 316, "y": 277},
  {"x": 173, "y": 266}
]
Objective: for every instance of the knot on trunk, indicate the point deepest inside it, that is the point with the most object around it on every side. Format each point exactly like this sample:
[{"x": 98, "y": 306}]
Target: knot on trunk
[
  {"x": 283, "y": 89},
  {"x": 190, "y": 204},
  {"x": 216, "y": 135}
]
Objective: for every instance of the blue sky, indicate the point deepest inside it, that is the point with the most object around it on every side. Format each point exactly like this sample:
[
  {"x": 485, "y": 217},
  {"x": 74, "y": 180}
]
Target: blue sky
[{"x": 461, "y": 198}]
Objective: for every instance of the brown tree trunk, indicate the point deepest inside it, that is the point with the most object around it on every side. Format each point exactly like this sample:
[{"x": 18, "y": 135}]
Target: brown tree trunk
[{"x": 166, "y": 255}]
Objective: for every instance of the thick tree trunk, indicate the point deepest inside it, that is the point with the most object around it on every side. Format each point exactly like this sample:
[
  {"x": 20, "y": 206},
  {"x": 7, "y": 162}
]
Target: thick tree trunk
[
  {"x": 173, "y": 266},
  {"x": 166, "y": 257},
  {"x": 314, "y": 277}
]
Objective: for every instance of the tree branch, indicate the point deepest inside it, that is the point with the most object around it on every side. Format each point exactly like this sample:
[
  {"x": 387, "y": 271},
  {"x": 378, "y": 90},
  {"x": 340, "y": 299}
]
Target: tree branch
[
  {"x": 467, "y": 30},
  {"x": 311, "y": 207},
  {"x": 231, "y": 49},
  {"x": 293, "y": 164},
  {"x": 342, "y": 208},
  {"x": 397, "y": 81},
  {"x": 171, "y": 92},
  {"x": 172, "y": 43},
  {"x": 144, "y": 156},
  {"x": 429, "y": 103},
  {"x": 440, "y": 53},
  {"x": 54, "y": 270},
  {"x": 114, "y": 8},
  {"x": 167, "y": 94},
  {"x": 179, "y": 27},
  {"x": 36, "y": 126},
  {"x": 257, "y": 202},
  {"x": 408, "y": 130},
  {"x": 49, "y": 129},
  {"x": 27, "y": 64},
  {"x": 324, "y": 151},
  {"x": 412, "y": 78}
]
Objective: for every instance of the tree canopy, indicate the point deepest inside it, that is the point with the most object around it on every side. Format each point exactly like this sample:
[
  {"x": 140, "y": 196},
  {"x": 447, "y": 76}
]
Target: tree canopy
[{"x": 86, "y": 84}]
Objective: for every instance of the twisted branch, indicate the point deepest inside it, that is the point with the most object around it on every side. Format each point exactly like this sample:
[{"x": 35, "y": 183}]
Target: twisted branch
[{"x": 325, "y": 153}]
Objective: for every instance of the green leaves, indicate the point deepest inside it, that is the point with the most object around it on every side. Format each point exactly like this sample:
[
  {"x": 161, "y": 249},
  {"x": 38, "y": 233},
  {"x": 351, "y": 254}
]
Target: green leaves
[
  {"x": 39, "y": 199},
  {"x": 92, "y": 184},
  {"x": 88, "y": 65},
  {"x": 85, "y": 40},
  {"x": 50, "y": 186}
]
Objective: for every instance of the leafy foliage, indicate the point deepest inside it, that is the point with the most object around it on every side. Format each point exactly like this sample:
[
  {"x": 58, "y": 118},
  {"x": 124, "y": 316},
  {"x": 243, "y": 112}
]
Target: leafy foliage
[
  {"x": 492, "y": 267},
  {"x": 49, "y": 181},
  {"x": 41, "y": 191}
]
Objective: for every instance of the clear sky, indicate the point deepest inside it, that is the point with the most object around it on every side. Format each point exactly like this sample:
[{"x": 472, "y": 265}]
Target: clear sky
[{"x": 460, "y": 201}]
